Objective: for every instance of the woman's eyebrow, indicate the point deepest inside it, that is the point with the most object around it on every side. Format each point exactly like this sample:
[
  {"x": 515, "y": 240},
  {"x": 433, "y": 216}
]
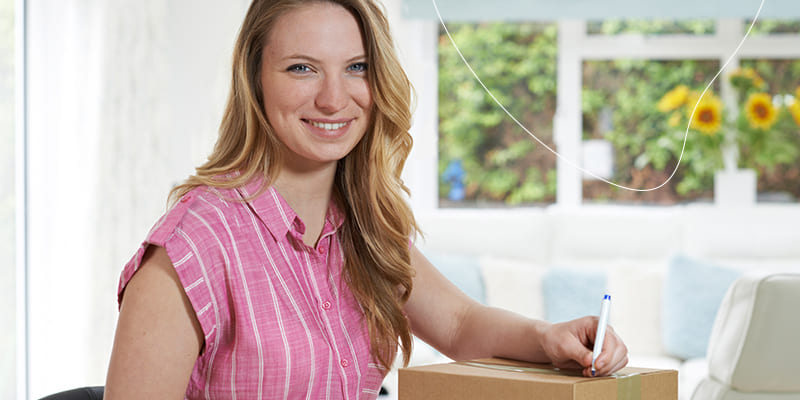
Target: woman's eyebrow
[{"x": 359, "y": 57}]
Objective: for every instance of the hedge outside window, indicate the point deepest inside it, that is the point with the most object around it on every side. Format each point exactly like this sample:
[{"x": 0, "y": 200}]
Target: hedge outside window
[{"x": 501, "y": 164}]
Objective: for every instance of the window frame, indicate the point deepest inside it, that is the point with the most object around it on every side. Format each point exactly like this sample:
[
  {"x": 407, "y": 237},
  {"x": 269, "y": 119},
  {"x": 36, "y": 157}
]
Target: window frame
[{"x": 21, "y": 194}]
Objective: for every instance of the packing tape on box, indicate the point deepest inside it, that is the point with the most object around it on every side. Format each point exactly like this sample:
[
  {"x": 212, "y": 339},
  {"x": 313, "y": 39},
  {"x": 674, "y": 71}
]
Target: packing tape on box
[
  {"x": 513, "y": 368},
  {"x": 629, "y": 386}
]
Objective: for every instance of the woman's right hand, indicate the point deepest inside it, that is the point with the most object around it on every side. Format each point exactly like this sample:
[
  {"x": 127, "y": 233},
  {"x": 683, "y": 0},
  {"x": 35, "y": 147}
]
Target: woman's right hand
[{"x": 569, "y": 345}]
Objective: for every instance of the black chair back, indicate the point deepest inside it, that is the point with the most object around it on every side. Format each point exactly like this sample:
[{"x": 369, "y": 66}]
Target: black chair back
[{"x": 84, "y": 393}]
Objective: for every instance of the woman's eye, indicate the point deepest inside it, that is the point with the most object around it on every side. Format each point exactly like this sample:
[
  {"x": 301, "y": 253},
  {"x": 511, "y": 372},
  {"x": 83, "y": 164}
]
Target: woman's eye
[
  {"x": 299, "y": 68},
  {"x": 358, "y": 67}
]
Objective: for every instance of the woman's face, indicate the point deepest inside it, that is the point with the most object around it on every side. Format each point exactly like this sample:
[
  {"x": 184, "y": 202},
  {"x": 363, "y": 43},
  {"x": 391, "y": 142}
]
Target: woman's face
[{"x": 314, "y": 79}]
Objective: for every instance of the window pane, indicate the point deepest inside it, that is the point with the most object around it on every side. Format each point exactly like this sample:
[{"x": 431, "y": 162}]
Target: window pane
[
  {"x": 621, "y": 107},
  {"x": 485, "y": 159},
  {"x": 7, "y": 240},
  {"x": 651, "y": 27},
  {"x": 765, "y": 26},
  {"x": 770, "y": 144}
]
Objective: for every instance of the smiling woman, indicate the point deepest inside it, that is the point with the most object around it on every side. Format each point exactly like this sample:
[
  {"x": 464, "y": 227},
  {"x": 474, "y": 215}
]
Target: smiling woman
[{"x": 311, "y": 145}]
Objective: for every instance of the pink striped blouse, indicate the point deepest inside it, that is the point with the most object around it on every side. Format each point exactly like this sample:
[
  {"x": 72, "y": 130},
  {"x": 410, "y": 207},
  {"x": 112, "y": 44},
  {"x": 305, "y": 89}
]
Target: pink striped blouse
[{"x": 278, "y": 319}]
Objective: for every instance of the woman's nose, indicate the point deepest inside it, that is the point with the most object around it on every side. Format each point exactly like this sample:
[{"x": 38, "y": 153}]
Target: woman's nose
[{"x": 332, "y": 95}]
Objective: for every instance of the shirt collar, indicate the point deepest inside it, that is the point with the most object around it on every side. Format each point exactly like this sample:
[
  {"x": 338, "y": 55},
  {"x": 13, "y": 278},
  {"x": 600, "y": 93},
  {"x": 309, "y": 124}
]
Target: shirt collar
[{"x": 279, "y": 218}]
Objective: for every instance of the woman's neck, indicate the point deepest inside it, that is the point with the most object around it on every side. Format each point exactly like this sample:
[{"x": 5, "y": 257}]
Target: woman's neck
[{"x": 308, "y": 192}]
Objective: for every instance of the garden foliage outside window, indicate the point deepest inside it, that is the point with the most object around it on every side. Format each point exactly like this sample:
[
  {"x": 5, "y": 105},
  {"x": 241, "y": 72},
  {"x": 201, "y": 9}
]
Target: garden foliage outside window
[{"x": 484, "y": 157}]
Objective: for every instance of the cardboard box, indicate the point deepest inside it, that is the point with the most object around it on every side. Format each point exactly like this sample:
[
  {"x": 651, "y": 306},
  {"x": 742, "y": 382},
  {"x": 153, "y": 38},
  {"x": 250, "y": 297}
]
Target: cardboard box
[{"x": 514, "y": 380}]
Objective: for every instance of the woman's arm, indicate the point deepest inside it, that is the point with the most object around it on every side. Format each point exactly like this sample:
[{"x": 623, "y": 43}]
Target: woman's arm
[
  {"x": 462, "y": 328},
  {"x": 158, "y": 336}
]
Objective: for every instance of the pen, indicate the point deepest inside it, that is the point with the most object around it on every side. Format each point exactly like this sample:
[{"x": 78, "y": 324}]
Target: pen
[{"x": 601, "y": 330}]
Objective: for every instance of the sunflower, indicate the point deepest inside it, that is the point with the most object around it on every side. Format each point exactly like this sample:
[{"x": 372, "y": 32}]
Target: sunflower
[
  {"x": 760, "y": 111},
  {"x": 707, "y": 115},
  {"x": 758, "y": 81},
  {"x": 691, "y": 100},
  {"x": 673, "y": 99},
  {"x": 794, "y": 109},
  {"x": 674, "y": 119},
  {"x": 745, "y": 78}
]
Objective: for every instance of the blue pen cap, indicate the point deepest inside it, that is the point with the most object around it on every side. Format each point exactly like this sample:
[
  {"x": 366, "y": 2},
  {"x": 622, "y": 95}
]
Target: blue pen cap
[{"x": 607, "y": 297}]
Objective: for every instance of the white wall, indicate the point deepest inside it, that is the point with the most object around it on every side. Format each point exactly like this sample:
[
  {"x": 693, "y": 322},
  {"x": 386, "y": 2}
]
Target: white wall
[
  {"x": 416, "y": 42},
  {"x": 124, "y": 100}
]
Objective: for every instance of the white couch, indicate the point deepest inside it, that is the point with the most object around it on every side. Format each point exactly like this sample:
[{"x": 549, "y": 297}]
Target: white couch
[{"x": 645, "y": 254}]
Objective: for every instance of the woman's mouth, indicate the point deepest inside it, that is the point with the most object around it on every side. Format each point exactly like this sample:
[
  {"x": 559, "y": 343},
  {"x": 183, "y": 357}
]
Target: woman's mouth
[{"x": 328, "y": 126}]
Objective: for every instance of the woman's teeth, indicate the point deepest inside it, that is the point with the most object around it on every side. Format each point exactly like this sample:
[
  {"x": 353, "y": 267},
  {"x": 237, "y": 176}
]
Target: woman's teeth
[{"x": 328, "y": 126}]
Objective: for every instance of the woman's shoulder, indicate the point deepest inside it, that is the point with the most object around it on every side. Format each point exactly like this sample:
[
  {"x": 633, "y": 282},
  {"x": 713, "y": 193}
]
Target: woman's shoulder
[{"x": 201, "y": 209}]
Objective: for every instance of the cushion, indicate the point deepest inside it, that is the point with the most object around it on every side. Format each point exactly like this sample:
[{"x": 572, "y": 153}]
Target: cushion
[
  {"x": 693, "y": 291},
  {"x": 463, "y": 271},
  {"x": 513, "y": 285},
  {"x": 571, "y": 293},
  {"x": 690, "y": 373},
  {"x": 635, "y": 289}
]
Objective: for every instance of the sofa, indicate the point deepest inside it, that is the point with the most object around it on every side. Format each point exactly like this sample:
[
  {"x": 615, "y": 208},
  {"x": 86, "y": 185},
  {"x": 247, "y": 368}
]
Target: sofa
[{"x": 666, "y": 268}]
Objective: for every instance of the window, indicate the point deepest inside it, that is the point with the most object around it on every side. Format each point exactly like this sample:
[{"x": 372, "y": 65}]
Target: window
[
  {"x": 596, "y": 86},
  {"x": 8, "y": 375}
]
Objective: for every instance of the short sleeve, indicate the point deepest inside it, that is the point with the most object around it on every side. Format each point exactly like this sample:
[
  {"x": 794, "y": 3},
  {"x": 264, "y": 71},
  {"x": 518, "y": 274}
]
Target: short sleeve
[{"x": 189, "y": 245}]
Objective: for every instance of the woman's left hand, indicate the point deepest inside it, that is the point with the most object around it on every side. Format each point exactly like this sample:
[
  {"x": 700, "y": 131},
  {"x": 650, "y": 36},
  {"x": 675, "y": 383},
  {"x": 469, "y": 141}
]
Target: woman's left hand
[{"x": 569, "y": 345}]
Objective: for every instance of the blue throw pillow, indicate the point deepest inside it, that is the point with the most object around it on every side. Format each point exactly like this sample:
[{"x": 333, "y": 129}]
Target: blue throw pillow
[
  {"x": 693, "y": 292},
  {"x": 463, "y": 271},
  {"x": 572, "y": 293}
]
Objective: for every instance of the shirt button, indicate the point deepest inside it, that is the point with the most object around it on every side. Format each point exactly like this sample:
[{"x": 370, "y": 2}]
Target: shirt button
[
  {"x": 322, "y": 250},
  {"x": 326, "y": 305},
  {"x": 345, "y": 363}
]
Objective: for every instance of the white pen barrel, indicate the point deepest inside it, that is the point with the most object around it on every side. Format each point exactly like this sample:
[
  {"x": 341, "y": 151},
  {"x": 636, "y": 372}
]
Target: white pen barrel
[{"x": 601, "y": 328}]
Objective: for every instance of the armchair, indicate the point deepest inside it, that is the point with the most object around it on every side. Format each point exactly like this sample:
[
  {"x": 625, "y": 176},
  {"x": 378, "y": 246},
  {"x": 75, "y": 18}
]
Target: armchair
[{"x": 753, "y": 352}]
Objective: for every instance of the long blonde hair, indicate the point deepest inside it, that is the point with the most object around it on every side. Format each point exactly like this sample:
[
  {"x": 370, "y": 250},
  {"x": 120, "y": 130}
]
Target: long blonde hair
[{"x": 378, "y": 221}]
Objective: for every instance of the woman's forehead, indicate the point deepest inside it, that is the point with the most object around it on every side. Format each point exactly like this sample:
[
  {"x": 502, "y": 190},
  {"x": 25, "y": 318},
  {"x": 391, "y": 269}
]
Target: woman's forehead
[{"x": 318, "y": 29}]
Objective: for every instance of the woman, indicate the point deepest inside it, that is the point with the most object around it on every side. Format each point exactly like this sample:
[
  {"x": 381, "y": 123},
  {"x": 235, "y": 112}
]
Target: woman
[{"x": 284, "y": 269}]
